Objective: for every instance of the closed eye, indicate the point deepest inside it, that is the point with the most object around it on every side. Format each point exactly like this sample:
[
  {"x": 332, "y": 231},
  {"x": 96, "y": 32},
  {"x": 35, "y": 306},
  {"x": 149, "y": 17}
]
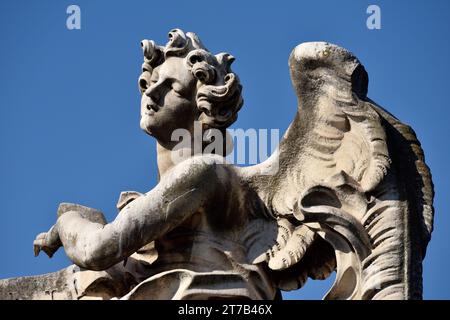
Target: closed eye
[{"x": 177, "y": 88}]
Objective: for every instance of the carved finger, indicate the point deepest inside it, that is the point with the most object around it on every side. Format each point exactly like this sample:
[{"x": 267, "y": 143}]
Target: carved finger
[
  {"x": 41, "y": 235},
  {"x": 36, "y": 249}
]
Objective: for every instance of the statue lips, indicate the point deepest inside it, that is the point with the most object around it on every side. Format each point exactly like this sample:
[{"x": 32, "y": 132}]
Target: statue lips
[
  {"x": 146, "y": 118},
  {"x": 152, "y": 109}
]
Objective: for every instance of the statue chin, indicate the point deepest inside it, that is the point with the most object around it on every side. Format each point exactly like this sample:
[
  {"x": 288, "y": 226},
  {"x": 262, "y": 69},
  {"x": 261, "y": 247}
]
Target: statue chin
[{"x": 145, "y": 124}]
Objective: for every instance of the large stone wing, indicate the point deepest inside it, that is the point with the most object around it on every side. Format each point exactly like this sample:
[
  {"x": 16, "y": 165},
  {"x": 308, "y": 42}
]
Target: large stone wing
[{"x": 346, "y": 174}]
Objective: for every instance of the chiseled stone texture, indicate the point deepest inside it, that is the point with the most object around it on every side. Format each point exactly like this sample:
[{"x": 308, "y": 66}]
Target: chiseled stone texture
[{"x": 51, "y": 286}]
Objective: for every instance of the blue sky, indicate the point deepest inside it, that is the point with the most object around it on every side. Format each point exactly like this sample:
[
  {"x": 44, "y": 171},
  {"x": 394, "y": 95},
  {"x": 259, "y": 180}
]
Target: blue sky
[{"x": 69, "y": 100}]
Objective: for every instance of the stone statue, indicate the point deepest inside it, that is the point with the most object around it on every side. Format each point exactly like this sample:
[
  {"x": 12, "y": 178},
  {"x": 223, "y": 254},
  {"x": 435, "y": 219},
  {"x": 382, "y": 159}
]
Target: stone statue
[{"x": 346, "y": 190}]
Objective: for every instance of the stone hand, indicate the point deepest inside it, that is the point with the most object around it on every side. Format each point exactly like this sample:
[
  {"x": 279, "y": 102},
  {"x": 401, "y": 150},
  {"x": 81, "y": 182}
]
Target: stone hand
[{"x": 48, "y": 242}]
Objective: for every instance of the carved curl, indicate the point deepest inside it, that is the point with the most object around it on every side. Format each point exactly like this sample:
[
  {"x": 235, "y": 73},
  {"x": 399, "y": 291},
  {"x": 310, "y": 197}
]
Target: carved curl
[
  {"x": 153, "y": 55},
  {"x": 220, "y": 103},
  {"x": 218, "y": 89}
]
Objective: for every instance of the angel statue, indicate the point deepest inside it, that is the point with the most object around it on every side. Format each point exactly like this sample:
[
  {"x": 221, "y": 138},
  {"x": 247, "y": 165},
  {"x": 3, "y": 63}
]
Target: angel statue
[{"x": 347, "y": 190}]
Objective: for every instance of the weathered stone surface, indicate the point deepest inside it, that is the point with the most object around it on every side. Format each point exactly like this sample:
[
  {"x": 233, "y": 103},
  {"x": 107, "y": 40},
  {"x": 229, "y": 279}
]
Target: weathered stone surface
[
  {"x": 347, "y": 190},
  {"x": 42, "y": 287},
  {"x": 71, "y": 283}
]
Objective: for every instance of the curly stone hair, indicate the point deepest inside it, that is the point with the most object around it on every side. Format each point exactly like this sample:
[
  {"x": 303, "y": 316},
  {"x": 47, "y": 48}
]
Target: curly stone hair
[{"x": 219, "y": 92}]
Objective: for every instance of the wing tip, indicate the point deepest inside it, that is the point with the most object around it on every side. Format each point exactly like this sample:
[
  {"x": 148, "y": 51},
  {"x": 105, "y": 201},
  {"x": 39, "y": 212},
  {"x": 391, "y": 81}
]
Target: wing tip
[
  {"x": 309, "y": 56},
  {"x": 322, "y": 50}
]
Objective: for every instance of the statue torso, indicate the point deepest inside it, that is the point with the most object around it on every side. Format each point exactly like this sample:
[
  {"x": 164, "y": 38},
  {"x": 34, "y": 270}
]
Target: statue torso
[{"x": 196, "y": 261}]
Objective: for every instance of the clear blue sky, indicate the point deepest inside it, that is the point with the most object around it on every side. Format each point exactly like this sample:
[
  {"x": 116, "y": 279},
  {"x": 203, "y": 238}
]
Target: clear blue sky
[{"x": 69, "y": 101}]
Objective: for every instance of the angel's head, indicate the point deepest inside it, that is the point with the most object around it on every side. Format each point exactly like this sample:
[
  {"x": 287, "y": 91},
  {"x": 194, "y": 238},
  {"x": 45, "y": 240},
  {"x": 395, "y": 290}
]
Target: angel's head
[{"x": 183, "y": 82}]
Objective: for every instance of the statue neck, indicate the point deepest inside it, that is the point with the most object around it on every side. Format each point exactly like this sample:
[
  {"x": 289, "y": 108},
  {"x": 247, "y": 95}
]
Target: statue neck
[
  {"x": 167, "y": 157},
  {"x": 164, "y": 159}
]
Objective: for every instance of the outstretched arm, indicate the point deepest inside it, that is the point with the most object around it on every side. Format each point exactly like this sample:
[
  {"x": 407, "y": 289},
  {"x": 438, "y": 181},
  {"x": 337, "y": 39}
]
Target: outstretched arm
[{"x": 182, "y": 192}]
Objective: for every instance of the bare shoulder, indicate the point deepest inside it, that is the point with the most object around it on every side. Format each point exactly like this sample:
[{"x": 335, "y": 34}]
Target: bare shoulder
[{"x": 207, "y": 168}]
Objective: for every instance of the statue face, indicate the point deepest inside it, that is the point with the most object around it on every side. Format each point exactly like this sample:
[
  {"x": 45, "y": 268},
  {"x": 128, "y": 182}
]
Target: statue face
[{"x": 168, "y": 100}]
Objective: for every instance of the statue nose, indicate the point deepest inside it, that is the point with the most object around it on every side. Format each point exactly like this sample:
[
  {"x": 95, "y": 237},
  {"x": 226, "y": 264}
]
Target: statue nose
[{"x": 152, "y": 93}]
